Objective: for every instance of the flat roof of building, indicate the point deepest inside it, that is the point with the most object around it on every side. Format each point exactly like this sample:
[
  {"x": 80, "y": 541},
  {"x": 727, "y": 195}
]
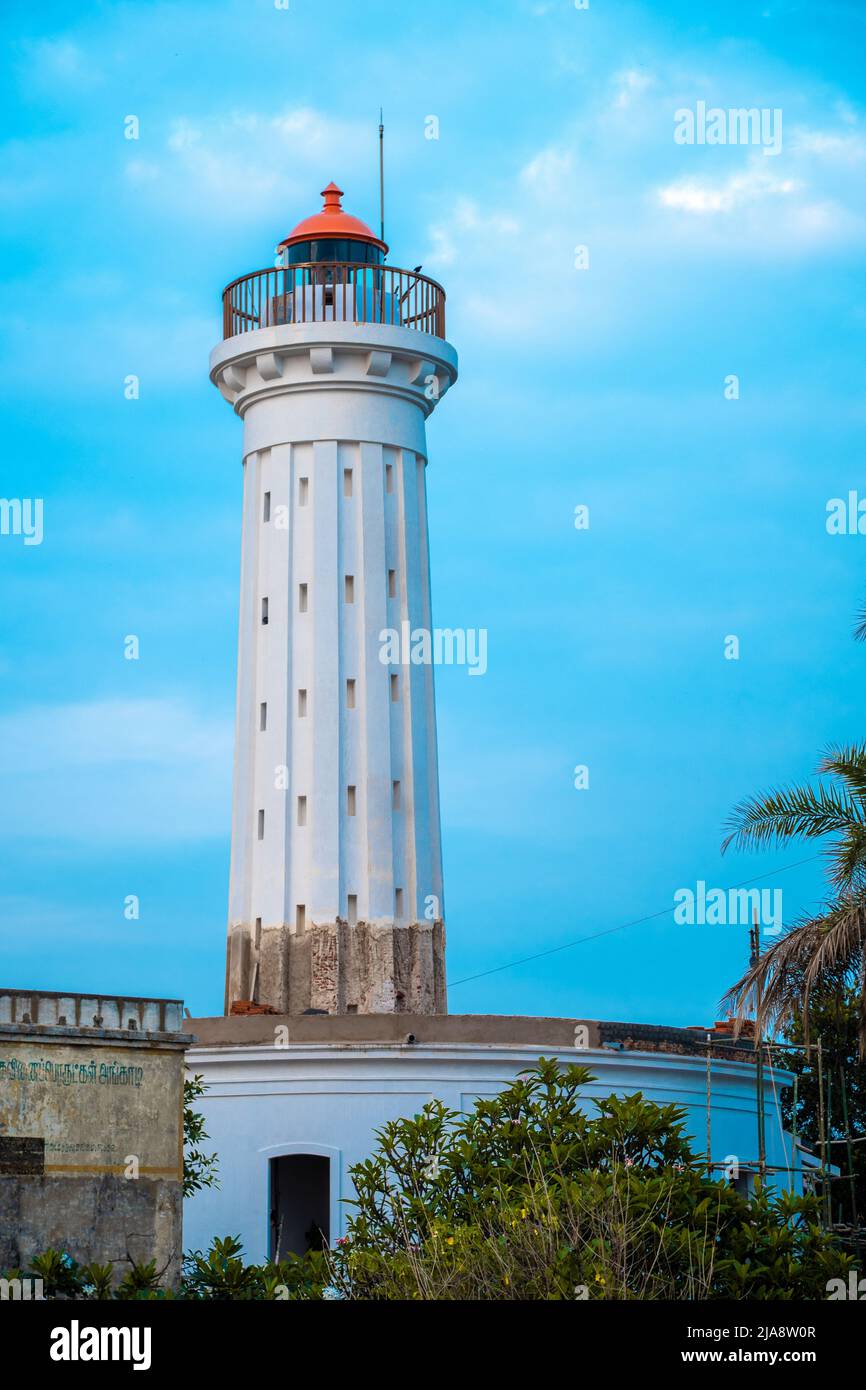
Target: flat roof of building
[{"x": 258, "y": 1029}]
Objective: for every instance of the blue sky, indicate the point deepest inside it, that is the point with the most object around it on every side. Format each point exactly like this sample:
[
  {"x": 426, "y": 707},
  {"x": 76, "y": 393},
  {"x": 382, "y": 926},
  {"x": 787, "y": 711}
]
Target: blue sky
[{"x": 602, "y": 387}]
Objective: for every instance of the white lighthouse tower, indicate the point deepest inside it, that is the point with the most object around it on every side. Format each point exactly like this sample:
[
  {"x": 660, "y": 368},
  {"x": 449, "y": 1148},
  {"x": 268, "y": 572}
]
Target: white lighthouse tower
[{"x": 334, "y": 360}]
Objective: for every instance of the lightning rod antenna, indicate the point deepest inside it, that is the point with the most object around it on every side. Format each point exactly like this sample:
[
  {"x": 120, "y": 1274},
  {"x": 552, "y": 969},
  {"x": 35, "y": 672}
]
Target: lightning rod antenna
[{"x": 381, "y": 177}]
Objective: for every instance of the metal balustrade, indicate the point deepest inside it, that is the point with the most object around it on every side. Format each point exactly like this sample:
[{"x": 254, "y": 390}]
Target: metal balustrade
[{"x": 333, "y": 291}]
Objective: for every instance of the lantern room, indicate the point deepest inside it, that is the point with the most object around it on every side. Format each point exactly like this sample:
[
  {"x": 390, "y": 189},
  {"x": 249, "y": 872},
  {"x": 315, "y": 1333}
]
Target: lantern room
[
  {"x": 332, "y": 235},
  {"x": 331, "y": 268}
]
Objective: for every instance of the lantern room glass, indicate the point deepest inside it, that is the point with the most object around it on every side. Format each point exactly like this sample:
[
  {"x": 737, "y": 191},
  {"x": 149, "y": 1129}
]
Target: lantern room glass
[{"x": 334, "y": 249}]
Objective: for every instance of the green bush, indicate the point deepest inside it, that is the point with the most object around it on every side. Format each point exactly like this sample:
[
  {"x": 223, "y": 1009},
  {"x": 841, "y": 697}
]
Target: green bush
[
  {"x": 532, "y": 1196},
  {"x": 200, "y": 1170},
  {"x": 222, "y": 1274}
]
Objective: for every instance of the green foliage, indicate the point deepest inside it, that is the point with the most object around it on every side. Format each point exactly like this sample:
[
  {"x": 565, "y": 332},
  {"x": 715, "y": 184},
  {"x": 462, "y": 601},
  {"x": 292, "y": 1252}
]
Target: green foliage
[
  {"x": 62, "y": 1277},
  {"x": 834, "y": 1021},
  {"x": 141, "y": 1281},
  {"x": 777, "y": 1250},
  {"x": 837, "y": 808},
  {"x": 222, "y": 1274},
  {"x": 199, "y": 1169},
  {"x": 829, "y": 943},
  {"x": 97, "y": 1280},
  {"x": 530, "y": 1197},
  {"x": 445, "y": 1167}
]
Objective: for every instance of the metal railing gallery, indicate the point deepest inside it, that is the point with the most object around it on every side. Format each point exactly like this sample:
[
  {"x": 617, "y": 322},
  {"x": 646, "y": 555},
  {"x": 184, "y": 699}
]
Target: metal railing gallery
[{"x": 333, "y": 291}]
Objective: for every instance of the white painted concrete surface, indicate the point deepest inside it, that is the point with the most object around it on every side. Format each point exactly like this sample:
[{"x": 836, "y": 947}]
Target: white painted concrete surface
[{"x": 328, "y": 1099}]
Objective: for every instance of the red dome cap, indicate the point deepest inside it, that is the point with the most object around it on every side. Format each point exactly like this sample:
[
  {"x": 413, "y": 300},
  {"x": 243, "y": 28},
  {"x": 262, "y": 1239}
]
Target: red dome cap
[{"x": 332, "y": 221}]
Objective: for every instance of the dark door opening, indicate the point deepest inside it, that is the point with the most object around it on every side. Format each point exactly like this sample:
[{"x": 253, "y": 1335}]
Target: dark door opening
[{"x": 300, "y": 1204}]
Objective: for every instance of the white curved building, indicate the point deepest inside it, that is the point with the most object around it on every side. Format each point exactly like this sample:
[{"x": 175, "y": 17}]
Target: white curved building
[{"x": 293, "y": 1103}]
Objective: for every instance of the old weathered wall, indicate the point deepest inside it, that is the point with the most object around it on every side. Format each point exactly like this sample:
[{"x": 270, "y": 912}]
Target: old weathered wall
[
  {"x": 95, "y": 1218},
  {"x": 97, "y": 1109},
  {"x": 91, "y": 1135}
]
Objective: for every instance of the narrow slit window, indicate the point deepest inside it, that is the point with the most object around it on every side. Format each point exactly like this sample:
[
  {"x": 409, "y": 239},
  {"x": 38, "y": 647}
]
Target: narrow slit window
[
  {"x": 353, "y": 909},
  {"x": 395, "y": 795},
  {"x": 392, "y": 583},
  {"x": 350, "y": 588},
  {"x": 389, "y": 477},
  {"x": 302, "y": 704},
  {"x": 303, "y": 491},
  {"x": 261, "y": 825},
  {"x": 266, "y": 509},
  {"x": 302, "y": 810},
  {"x": 350, "y": 694},
  {"x": 300, "y": 917},
  {"x": 347, "y": 482},
  {"x": 263, "y": 716},
  {"x": 398, "y": 904},
  {"x": 264, "y": 612},
  {"x": 258, "y": 934},
  {"x": 350, "y": 801},
  {"x": 302, "y": 598},
  {"x": 395, "y": 687}
]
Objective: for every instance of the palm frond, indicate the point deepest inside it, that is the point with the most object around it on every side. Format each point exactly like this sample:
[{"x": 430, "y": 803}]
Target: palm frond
[
  {"x": 848, "y": 763},
  {"x": 771, "y": 990},
  {"x": 860, "y": 628},
  {"x": 791, "y": 813},
  {"x": 840, "y": 943},
  {"x": 847, "y": 869},
  {"x": 778, "y": 986}
]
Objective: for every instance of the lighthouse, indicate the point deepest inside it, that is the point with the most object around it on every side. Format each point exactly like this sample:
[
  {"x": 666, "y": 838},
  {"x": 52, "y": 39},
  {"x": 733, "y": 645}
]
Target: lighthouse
[{"x": 334, "y": 359}]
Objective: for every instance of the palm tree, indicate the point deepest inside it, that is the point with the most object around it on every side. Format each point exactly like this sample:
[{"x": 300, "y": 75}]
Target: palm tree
[{"x": 777, "y": 986}]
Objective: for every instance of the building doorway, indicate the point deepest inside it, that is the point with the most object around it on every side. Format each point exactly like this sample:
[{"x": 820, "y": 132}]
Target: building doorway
[{"x": 300, "y": 1204}]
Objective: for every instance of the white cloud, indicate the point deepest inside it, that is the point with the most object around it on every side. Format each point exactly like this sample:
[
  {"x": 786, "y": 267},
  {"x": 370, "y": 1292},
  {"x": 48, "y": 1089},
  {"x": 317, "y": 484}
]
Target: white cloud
[
  {"x": 630, "y": 86},
  {"x": 224, "y": 168},
  {"x": 612, "y": 179},
  {"x": 115, "y": 771},
  {"x": 50, "y": 62},
  {"x": 845, "y": 148},
  {"x": 550, "y": 169},
  {"x": 183, "y": 136},
  {"x": 693, "y": 195},
  {"x": 142, "y": 171},
  {"x": 156, "y": 731},
  {"x": 468, "y": 224},
  {"x": 768, "y": 211}
]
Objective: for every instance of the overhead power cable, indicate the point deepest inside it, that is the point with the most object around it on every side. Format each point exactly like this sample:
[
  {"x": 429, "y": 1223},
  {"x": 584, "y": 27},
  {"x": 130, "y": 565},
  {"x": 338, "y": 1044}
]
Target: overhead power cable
[{"x": 609, "y": 931}]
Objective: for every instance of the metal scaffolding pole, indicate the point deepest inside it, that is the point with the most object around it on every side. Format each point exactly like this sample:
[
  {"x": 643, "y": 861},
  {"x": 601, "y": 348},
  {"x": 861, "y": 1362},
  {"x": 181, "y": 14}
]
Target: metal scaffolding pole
[
  {"x": 759, "y": 1061},
  {"x": 822, "y": 1139}
]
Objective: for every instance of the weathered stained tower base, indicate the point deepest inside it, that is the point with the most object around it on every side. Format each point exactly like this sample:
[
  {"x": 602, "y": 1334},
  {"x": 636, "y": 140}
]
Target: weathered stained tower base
[{"x": 340, "y": 969}]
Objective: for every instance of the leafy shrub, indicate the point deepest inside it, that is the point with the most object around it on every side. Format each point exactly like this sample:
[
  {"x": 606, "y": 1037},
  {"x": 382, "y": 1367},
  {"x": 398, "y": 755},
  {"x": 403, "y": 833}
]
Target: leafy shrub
[
  {"x": 222, "y": 1274},
  {"x": 199, "y": 1169},
  {"x": 529, "y": 1196}
]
